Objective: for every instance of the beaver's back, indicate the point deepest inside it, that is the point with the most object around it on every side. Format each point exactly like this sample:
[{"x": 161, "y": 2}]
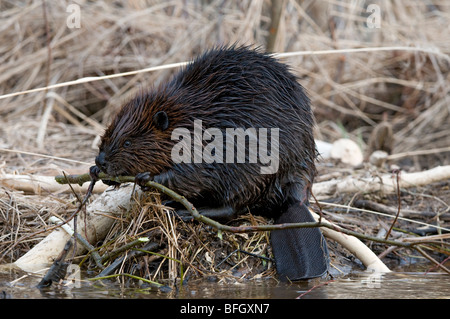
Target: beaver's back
[{"x": 242, "y": 88}]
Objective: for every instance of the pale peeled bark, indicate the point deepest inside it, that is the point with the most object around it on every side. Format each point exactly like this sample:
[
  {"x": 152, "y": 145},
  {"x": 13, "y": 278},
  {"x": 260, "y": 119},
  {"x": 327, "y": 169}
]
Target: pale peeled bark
[
  {"x": 98, "y": 223},
  {"x": 355, "y": 246},
  {"x": 385, "y": 183},
  {"x": 36, "y": 184}
]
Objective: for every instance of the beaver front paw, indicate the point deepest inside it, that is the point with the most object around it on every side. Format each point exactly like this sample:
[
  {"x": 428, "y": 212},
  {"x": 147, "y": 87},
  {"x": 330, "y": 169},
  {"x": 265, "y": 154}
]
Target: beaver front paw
[
  {"x": 94, "y": 171},
  {"x": 141, "y": 179}
]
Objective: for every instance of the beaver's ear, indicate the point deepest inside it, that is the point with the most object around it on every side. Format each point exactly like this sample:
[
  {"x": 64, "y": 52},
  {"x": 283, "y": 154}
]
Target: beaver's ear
[{"x": 161, "y": 120}]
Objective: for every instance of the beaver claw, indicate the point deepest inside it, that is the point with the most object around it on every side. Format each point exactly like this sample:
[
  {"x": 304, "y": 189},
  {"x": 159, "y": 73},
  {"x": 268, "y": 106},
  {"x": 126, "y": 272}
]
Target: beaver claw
[
  {"x": 142, "y": 179},
  {"x": 94, "y": 171}
]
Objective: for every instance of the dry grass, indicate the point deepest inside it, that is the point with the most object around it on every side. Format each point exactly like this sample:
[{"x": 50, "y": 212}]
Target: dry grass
[
  {"x": 350, "y": 93},
  {"x": 198, "y": 248}
]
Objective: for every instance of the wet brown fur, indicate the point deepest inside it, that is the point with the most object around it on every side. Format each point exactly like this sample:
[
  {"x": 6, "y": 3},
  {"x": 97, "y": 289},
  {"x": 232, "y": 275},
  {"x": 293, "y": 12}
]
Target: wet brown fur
[
  {"x": 225, "y": 87},
  {"x": 228, "y": 88}
]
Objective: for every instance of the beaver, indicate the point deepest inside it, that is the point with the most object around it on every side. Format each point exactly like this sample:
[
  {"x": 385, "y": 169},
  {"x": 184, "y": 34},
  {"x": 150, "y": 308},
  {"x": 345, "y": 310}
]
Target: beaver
[{"x": 178, "y": 135}]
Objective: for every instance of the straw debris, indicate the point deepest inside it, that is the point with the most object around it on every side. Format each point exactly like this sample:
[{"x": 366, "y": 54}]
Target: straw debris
[{"x": 186, "y": 249}]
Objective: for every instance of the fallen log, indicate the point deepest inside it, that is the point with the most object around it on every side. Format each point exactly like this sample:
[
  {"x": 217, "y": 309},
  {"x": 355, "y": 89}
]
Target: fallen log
[
  {"x": 99, "y": 218},
  {"x": 385, "y": 183},
  {"x": 39, "y": 184}
]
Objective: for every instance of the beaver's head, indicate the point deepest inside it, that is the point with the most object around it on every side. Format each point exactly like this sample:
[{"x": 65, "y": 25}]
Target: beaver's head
[{"x": 138, "y": 139}]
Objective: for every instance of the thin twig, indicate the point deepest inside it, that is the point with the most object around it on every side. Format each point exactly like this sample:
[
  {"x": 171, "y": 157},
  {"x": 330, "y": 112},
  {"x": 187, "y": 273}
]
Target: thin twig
[
  {"x": 434, "y": 261},
  {"x": 399, "y": 203},
  {"x": 314, "y": 287},
  {"x": 135, "y": 253},
  {"x": 157, "y": 284},
  {"x": 244, "y": 252},
  {"x": 88, "y": 194}
]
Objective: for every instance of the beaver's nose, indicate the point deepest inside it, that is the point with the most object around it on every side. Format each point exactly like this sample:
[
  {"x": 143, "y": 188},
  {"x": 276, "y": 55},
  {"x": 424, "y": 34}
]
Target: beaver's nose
[{"x": 100, "y": 161}]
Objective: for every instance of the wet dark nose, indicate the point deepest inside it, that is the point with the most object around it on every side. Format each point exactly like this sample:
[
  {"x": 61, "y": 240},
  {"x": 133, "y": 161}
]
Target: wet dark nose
[{"x": 101, "y": 162}]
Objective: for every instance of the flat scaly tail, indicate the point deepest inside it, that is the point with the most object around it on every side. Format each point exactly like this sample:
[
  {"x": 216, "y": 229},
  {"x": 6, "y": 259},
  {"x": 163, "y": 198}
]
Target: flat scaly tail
[{"x": 300, "y": 253}]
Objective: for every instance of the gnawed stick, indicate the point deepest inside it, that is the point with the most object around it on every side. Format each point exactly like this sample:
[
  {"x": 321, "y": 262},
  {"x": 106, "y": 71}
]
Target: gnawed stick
[
  {"x": 354, "y": 245},
  {"x": 385, "y": 183},
  {"x": 38, "y": 184},
  {"x": 99, "y": 219}
]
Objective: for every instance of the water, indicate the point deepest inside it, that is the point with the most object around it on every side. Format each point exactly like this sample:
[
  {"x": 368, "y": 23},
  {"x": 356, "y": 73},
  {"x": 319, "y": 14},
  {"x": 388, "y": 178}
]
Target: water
[
  {"x": 387, "y": 286},
  {"x": 396, "y": 285}
]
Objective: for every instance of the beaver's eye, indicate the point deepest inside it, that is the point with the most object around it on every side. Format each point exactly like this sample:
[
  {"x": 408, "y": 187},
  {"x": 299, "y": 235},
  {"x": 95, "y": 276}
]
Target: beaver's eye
[{"x": 127, "y": 143}]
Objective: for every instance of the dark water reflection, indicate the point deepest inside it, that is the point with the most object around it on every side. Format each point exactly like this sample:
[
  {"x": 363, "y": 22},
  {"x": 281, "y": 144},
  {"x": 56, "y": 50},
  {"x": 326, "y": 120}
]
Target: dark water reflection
[{"x": 396, "y": 285}]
